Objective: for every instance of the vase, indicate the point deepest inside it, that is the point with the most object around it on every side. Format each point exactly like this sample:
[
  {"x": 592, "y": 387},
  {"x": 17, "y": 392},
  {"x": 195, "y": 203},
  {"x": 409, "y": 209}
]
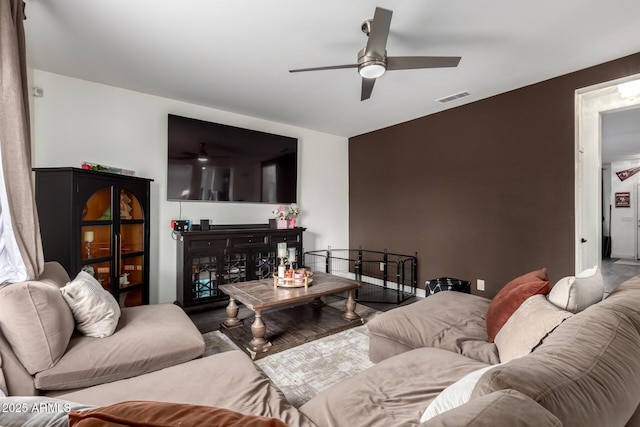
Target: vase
[{"x": 281, "y": 223}]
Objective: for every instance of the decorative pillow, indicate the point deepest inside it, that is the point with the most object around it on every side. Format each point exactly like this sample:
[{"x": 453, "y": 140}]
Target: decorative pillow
[
  {"x": 528, "y": 326},
  {"x": 96, "y": 311},
  {"x": 511, "y": 296},
  {"x": 574, "y": 294},
  {"x": 151, "y": 414},
  {"x": 455, "y": 395},
  {"x": 36, "y": 322}
]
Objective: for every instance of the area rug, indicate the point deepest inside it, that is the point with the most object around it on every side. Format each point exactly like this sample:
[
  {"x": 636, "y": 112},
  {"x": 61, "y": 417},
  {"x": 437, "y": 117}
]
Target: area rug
[
  {"x": 302, "y": 372},
  {"x": 627, "y": 262}
]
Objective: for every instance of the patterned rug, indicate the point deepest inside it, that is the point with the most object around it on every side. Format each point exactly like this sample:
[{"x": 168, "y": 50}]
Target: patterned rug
[{"x": 302, "y": 372}]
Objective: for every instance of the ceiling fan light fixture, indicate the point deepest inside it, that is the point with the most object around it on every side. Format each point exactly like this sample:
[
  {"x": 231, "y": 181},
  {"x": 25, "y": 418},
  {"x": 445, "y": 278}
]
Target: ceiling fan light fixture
[
  {"x": 202, "y": 155},
  {"x": 372, "y": 70}
]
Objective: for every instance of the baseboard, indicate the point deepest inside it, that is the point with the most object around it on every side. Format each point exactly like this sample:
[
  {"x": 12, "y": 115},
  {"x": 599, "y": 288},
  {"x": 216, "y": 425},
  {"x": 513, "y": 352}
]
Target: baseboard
[{"x": 623, "y": 256}]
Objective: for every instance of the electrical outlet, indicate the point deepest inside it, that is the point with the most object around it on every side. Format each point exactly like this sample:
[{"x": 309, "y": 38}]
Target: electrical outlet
[
  {"x": 382, "y": 266},
  {"x": 480, "y": 285}
]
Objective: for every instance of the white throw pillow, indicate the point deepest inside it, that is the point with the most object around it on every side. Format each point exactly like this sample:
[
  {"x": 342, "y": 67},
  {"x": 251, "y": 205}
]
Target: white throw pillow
[
  {"x": 455, "y": 395},
  {"x": 96, "y": 311},
  {"x": 527, "y": 327},
  {"x": 574, "y": 294}
]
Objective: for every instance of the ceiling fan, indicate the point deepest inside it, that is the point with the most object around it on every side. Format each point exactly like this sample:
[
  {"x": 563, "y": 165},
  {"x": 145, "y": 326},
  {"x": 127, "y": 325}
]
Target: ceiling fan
[{"x": 373, "y": 60}]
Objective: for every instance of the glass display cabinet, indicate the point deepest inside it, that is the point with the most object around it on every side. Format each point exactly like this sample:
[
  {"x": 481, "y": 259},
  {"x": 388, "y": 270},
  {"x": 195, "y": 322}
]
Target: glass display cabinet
[{"x": 97, "y": 222}]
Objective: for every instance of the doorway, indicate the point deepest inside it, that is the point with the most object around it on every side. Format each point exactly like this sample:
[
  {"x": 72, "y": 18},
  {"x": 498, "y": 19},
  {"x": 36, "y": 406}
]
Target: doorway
[{"x": 591, "y": 102}]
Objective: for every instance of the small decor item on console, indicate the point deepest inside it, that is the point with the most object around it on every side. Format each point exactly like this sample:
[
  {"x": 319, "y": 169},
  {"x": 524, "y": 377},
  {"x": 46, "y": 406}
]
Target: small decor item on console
[
  {"x": 280, "y": 217},
  {"x": 447, "y": 284},
  {"x": 105, "y": 168},
  {"x": 292, "y": 215},
  {"x": 286, "y": 217}
]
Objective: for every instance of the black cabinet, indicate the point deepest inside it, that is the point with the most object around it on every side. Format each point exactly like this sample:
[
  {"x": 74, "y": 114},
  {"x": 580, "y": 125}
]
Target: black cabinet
[
  {"x": 227, "y": 254},
  {"x": 99, "y": 222}
]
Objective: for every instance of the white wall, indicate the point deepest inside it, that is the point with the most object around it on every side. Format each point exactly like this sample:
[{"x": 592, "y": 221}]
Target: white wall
[
  {"x": 623, "y": 220},
  {"x": 78, "y": 121}
]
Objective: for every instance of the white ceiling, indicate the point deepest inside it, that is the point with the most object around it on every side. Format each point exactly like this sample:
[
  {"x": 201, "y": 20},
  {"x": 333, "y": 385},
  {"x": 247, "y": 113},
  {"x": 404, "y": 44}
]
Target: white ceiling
[{"x": 234, "y": 55}]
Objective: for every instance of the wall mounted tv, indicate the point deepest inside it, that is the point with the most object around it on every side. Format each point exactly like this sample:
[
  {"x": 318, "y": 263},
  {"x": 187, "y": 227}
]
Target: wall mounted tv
[{"x": 221, "y": 163}]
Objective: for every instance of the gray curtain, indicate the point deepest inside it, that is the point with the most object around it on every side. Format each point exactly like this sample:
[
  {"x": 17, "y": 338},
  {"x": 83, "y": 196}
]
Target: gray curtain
[{"x": 21, "y": 255}]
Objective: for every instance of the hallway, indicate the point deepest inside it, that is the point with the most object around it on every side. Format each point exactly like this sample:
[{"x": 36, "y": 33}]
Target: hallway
[{"x": 614, "y": 274}]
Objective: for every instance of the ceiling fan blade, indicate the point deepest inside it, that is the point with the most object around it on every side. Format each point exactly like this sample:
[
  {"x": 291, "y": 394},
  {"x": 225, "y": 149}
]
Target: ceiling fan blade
[
  {"x": 377, "y": 43},
  {"x": 412, "y": 62},
  {"x": 367, "y": 88},
  {"x": 331, "y": 67}
]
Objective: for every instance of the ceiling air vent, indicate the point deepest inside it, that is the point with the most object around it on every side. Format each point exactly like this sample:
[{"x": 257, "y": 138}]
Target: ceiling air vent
[{"x": 453, "y": 97}]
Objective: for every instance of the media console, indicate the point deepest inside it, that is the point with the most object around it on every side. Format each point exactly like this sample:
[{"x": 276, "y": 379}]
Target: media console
[{"x": 227, "y": 254}]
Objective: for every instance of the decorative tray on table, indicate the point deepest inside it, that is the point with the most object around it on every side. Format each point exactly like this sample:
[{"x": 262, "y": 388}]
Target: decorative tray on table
[{"x": 293, "y": 278}]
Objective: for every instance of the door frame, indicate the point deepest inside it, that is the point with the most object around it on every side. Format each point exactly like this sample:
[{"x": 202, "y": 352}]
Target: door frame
[{"x": 590, "y": 103}]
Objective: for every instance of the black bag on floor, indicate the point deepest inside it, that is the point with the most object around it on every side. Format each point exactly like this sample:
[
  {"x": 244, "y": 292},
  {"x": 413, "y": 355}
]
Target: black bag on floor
[{"x": 447, "y": 284}]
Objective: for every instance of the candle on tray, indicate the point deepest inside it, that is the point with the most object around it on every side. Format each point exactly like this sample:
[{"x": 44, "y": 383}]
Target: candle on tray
[
  {"x": 282, "y": 250},
  {"x": 292, "y": 254}
]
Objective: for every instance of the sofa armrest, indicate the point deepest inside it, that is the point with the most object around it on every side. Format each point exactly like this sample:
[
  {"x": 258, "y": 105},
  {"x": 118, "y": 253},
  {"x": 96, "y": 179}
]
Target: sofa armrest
[{"x": 434, "y": 322}]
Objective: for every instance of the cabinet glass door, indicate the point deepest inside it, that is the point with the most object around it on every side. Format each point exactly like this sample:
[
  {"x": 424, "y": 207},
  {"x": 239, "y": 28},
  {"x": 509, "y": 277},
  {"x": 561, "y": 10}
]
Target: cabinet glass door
[
  {"x": 130, "y": 249},
  {"x": 204, "y": 278},
  {"x": 96, "y": 252}
]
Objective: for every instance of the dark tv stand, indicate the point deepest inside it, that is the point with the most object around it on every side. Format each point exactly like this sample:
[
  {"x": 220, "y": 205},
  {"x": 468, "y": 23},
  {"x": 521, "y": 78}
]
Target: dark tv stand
[{"x": 227, "y": 254}]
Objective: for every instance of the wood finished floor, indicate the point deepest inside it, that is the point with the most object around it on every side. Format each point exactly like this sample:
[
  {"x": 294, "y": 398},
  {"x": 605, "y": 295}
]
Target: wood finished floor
[{"x": 210, "y": 319}]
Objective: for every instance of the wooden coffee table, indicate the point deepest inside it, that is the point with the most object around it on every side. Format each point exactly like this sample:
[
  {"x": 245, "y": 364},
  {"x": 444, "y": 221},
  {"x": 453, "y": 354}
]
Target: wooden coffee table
[{"x": 259, "y": 295}]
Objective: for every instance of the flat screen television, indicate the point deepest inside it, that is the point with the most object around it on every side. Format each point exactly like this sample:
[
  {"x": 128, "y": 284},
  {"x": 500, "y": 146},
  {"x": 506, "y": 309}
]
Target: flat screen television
[{"x": 221, "y": 163}]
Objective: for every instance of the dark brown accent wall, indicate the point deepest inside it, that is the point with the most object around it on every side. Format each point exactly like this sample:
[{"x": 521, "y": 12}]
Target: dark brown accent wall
[{"x": 481, "y": 191}]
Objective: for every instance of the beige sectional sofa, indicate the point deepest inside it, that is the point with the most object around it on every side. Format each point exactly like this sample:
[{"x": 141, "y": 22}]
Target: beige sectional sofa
[
  {"x": 154, "y": 354},
  {"x": 585, "y": 372}
]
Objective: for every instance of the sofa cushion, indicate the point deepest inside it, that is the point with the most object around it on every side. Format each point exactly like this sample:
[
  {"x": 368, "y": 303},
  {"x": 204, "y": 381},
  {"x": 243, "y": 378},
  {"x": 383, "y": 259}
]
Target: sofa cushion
[
  {"x": 226, "y": 380},
  {"x": 504, "y": 408},
  {"x": 161, "y": 414},
  {"x": 575, "y": 293},
  {"x": 148, "y": 338},
  {"x": 511, "y": 296},
  {"x": 36, "y": 320},
  {"x": 434, "y": 322},
  {"x": 454, "y": 395},
  {"x": 95, "y": 310},
  {"x": 394, "y": 392},
  {"x": 527, "y": 327},
  {"x": 17, "y": 380},
  {"x": 586, "y": 371}
]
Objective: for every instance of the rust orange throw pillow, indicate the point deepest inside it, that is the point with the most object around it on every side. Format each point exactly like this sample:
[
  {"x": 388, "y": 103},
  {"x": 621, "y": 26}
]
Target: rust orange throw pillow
[
  {"x": 161, "y": 414},
  {"x": 514, "y": 293}
]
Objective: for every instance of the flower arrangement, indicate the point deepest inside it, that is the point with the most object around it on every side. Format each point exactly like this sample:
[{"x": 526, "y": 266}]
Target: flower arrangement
[
  {"x": 280, "y": 214},
  {"x": 294, "y": 211},
  {"x": 286, "y": 217}
]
